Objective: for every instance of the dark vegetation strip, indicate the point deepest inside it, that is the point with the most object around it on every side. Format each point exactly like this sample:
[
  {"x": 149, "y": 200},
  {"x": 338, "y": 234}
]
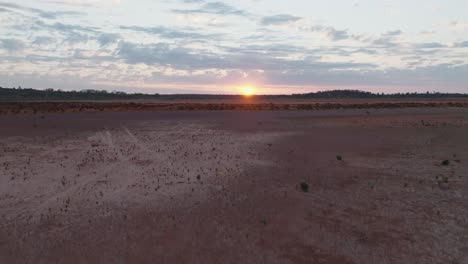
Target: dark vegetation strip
[
  {"x": 21, "y": 94},
  {"x": 57, "y": 107}
]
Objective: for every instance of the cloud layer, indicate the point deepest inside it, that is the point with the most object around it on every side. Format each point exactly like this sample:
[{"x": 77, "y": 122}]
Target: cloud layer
[{"x": 214, "y": 46}]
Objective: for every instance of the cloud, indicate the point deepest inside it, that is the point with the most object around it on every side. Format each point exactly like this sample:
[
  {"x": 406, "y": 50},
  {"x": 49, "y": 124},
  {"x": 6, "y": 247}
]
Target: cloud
[
  {"x": 215, "y": 8},
  {"x": 58, "y": 26},
  {"x": 39, "y": 12},
  {"x": 106, "y": 39},
  {"x": 163, "y": 54},
  {"x": 193, "y": 1},
  {"x": 43, "y": 40},
  {"x": 70, "y": 33},
  {"x": 220, "y": 49},
  {"x": 279, "y": 20},
  {"x": 170, "y": 33},
  {"x": 388, "y": 39},
  {"x": 331, "y": 33},
  {"x": 429, "y": 45},
  {"x": 392, "y": 33},
  {"x": 75, "y": 38},
  {"x": 428, "y": 77},
  {"x": 12, "y": 45},
  {"x": 85, "y": 2},
  {"x": 337, "y": 35},
  {"x": 463, "y": 44}
]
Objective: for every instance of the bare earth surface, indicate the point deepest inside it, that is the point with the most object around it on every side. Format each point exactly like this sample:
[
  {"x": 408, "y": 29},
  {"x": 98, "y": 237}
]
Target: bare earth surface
[
  {"x": 225, "y": 187},
  {"x": 240, "y": 104}
]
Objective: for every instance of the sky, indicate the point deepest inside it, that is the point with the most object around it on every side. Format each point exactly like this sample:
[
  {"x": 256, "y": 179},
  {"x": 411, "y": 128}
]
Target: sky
[{"x": 221, "y": 46}]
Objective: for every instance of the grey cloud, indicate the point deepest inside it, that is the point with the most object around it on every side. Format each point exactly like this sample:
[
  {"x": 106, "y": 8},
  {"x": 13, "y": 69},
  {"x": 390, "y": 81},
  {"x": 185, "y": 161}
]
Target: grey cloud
[
  {"x": 386, "y": 42},
  {"x": 163, "y": 54},
  {"x": 39, "y": 12},
  {"x": 269, "y": 61},
  {"x": 298, "y": 72},
  {"x": 193, "y": 1},
  {"x": 279, "y": 20},
  {"x": 74, "y": 38},
  {"x": 392, "y": 33},
  {"x": 332, "y": 33},
  {"x": 413, "y": 57},
  {"x": 105, "y": 39},
  {"x": 435, "y": 76},
  {"x": 12, "y": 45},
  {"x": 463, "y": 44},
  {"x": 169, "y": 33},
  {"x": 429, "y": 45},
  {"x": 366, "y": 51},
  {"x": 274, "y": 50},
  {"x": 285, "y": 50},
  {"x": 337, "y": 35},
  {"x": 71, "y": 3},
  {"x": 79, "y": 54},
  {"x": 71, "y": 33},
  {"x": 65, "y": 27},
  {"x": 215, "y": 8},
  {"x": 388, "y": 39},
  {"x": 249, "y": 59},
  {"x": 34, "y": 58},
  {"x": 43, "y": 40},
  {"x": 440, "y": 74}
]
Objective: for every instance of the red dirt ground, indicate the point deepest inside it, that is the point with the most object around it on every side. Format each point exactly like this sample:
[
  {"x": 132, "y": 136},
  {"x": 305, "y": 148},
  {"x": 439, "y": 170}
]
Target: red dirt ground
[
  {"x": 224, "y": 187},
  {"x": 246, "y": 104}
]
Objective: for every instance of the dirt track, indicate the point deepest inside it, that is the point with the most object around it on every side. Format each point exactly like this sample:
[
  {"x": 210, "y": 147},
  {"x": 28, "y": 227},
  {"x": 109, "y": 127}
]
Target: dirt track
[{"x": 224, "y": 187}]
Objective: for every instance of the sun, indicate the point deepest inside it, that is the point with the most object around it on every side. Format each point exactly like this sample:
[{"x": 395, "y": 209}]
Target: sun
[{"x": 248, "y": 91}]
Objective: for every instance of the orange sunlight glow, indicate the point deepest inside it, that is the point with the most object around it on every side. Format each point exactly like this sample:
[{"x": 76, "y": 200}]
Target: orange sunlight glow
[{"x": 248, "y": 91}]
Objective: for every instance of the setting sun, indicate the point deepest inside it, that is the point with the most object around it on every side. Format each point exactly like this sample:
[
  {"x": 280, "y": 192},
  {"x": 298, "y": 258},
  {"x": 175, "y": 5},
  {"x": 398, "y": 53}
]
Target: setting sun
[{"x": 248, "y": 91}]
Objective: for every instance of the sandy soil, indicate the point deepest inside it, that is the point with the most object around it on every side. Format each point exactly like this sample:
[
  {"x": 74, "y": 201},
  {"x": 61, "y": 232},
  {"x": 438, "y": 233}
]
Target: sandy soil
[{"x": 384, "y": 186}]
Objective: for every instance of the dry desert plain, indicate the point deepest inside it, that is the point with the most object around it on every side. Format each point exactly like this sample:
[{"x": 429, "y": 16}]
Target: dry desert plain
[{"x": 87, "y": 183}]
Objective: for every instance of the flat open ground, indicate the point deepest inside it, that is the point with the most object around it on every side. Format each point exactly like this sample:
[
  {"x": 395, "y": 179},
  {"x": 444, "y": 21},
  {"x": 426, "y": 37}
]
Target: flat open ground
[
  {"x": 384, "y": 186},
  {"x": 240, "y": 104}
]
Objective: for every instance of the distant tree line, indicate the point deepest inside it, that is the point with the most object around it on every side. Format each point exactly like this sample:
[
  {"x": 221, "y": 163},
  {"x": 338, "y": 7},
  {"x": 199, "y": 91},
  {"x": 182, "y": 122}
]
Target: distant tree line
[
  {"x": 342, "y": 94},
  {"x": 29, "y": 94}
]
